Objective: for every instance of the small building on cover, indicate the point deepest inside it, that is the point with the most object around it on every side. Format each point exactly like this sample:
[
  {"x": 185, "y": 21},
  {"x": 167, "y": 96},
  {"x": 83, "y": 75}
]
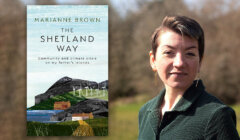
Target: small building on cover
[
  {"x": 62, "y": 105},
  {"x": 82, "y": 116}
]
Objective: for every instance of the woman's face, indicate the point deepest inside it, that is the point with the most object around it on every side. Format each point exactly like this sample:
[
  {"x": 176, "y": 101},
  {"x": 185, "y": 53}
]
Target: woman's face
[{"x": 176, "y": 60}]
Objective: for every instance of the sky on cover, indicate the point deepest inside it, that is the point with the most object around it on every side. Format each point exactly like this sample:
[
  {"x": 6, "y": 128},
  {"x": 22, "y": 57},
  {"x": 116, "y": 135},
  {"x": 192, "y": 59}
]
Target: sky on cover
[{"x": 40, "y": 76}]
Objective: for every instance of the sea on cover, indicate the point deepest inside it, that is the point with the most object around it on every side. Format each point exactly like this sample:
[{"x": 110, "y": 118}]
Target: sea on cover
[{"x": 42, "y": 116}]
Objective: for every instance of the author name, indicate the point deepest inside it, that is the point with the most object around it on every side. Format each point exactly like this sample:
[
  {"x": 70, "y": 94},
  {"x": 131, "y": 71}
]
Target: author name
[{"x": 68, "y": 19}]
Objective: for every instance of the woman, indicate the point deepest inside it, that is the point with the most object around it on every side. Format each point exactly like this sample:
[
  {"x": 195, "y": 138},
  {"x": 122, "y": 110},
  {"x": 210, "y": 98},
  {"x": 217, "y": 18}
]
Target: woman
[{"x": 183, "y": 110}]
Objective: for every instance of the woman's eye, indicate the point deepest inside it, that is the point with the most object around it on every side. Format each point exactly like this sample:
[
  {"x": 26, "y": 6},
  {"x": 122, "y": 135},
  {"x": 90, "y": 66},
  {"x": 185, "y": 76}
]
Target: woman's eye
[
  {"x": 168, "y": 52},
  {"x": 190, "y": 54}
]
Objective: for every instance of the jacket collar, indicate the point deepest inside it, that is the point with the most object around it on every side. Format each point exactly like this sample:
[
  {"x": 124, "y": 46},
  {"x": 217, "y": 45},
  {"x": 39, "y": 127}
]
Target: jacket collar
[{"x": 191, "y": 94}]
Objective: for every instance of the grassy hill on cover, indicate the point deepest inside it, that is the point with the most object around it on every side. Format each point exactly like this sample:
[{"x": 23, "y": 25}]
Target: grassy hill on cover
[
  {"x": 49, "y": 104},
  {"x": 73, "y": 97}
]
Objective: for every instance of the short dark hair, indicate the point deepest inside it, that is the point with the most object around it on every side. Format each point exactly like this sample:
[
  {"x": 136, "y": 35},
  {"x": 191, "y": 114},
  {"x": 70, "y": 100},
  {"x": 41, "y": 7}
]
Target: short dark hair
[{"x": 184, "y": 26}]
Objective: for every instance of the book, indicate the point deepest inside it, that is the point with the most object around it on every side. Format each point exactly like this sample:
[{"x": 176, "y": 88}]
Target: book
[{"x": 67, "y": 70}]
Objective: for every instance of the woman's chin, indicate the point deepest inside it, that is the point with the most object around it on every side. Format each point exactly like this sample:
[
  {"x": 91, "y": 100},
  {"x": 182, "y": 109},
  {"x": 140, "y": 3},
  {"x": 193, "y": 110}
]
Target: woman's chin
[{"x": 179, "y": 84}]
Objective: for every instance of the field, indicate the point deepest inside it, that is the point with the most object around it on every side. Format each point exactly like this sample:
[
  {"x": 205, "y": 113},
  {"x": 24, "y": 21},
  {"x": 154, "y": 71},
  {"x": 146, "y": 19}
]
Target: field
[
  {"x": 99, "y": 126},
  {"x": 237, "y": 111},
  {"x": 123, "y": 121}
]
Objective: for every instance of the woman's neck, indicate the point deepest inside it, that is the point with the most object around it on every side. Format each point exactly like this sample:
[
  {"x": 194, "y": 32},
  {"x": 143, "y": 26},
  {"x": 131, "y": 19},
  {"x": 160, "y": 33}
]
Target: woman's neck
[{"x": 172, "y": 96}]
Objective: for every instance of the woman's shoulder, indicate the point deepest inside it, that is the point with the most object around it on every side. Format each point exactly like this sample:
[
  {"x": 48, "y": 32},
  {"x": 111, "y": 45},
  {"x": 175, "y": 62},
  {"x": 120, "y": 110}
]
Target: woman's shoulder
[
  {"x": 221, "y": 119},
  {"x": 212, "y": 107},
  {"x": 211, "y": 102}
]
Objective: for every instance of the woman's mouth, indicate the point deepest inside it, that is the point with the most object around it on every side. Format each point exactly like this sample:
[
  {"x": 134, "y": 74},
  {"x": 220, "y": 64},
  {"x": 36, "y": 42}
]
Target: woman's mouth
[{"x": 178, "y": 73}]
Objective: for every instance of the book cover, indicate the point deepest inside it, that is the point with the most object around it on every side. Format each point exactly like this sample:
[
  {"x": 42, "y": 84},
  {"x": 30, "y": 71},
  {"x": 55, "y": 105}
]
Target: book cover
[{"x": 67, "y": 70}]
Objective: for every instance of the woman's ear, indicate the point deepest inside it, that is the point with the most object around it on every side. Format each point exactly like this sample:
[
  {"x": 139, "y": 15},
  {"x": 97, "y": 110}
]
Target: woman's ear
[{"x": 152, "y": 61}]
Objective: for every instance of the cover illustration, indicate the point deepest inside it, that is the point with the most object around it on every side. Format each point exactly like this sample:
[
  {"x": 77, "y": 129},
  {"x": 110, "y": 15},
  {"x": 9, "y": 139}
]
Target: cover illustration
[{"x": 67, "y": 70}]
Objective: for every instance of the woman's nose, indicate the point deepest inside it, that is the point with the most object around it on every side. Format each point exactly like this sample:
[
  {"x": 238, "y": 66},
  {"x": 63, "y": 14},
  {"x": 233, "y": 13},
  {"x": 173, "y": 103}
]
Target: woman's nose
[{"x": 178, "y": 60}]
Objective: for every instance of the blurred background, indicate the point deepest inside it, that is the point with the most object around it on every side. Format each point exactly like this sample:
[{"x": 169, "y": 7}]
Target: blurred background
[{"x": 131, "y": 79}]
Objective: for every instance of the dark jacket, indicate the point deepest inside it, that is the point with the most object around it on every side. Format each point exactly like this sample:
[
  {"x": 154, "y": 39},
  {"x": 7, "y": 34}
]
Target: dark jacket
[{"x": 197, "y": 116}]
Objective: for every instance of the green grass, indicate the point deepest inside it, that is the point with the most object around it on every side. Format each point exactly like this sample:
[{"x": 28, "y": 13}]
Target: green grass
[
  {"x": 49, "y": 104},
  {"x": 123, "y": 121},
  {"x": 237, "y": 111},
  {"x": 45, "y": 129},
  {"x": 99, "y": 125}
]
